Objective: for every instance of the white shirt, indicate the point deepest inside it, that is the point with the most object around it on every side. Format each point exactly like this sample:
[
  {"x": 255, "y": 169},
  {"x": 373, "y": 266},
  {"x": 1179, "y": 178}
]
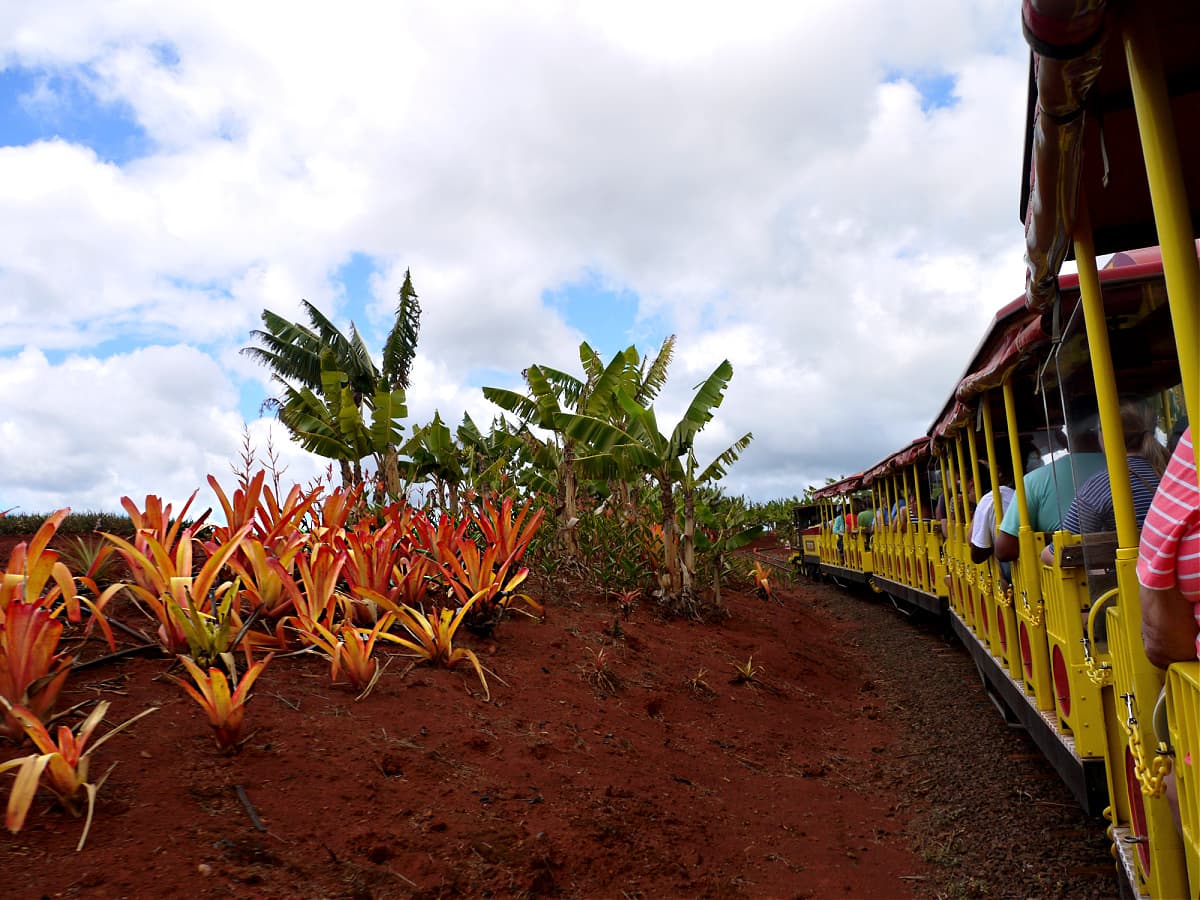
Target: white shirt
[{"x": 983, "y": 525}]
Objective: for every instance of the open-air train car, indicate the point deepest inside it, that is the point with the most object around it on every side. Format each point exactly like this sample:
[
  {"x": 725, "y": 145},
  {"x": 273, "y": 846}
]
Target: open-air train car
[{"x": 1112, "y": 164}]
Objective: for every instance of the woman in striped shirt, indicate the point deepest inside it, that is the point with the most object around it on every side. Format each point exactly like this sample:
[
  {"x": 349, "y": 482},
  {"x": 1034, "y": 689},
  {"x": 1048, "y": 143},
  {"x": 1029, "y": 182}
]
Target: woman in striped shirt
[
  {"x": 1092, "y": 509},
  {"x": 1169, "y": 563}
]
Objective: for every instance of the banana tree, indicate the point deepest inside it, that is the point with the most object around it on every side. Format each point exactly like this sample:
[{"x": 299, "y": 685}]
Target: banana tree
[
  {"x": 692, "y": 479},
  {"x": 432, "y": 454},
  {"x": 332, "y": 388},
  {"x": 553, "y": 393},
  {"x": 491, "y": 458},
  {"x": 332, "y": 424},
  {"x": 641, "y": 447},
  {"x": 726, "y": 527}
]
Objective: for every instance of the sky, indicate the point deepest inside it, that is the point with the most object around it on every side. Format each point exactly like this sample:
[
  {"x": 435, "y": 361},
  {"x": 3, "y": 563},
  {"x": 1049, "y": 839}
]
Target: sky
[{"x": 824, "y": 193}]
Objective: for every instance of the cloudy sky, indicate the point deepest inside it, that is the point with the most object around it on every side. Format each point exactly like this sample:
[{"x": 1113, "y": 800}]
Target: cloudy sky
[{"x": 825, "y": 193}]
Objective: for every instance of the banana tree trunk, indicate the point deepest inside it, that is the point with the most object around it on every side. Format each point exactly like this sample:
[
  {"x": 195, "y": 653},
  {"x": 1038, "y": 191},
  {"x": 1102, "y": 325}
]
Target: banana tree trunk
[
  {"x": 718, "y": 566},
  {"x": 569, "y": 506},
  {"x": 670, "y": 550},
  {"x": 389, "y": 468},
  {"x": 688, "y": 544}
]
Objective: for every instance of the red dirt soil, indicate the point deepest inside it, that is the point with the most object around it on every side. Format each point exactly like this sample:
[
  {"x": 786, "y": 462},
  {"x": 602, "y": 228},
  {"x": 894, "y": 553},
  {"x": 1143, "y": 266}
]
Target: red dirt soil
[{"x": 616, "y": 758}]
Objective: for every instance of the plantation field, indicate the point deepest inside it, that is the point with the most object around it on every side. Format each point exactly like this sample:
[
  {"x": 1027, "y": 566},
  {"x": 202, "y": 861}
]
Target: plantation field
[{"x": 619, "y": 756}]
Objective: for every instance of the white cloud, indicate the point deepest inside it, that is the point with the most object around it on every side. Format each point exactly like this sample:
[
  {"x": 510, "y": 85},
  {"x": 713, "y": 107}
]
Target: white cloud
[{"x": 766, "y": 181}]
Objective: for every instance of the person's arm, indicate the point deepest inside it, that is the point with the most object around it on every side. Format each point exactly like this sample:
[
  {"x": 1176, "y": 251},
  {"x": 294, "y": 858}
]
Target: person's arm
[
  {"x": 1168, "y": 626},
  {"x": 980, "y": 554},
  {"x": 1008, "y": 547},
  {"x": 980, "y": 535},
  {"x": 1048, "y": 554}
]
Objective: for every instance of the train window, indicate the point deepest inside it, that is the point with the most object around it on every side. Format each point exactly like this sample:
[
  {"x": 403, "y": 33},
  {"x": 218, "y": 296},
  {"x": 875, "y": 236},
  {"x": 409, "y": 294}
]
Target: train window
[{"x": 1145, "y": 368}]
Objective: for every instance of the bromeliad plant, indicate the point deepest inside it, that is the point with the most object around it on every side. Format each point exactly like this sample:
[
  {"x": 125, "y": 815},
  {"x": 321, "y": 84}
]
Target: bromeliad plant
[
  {"x": 62, "y": 763},
  {"x": 32, "y": 671},
  {"x": 174, "y": 596},
  {"x": 762, "y": 581},
  {"x": 34, "y": 591},
  {"x": 509, "y": 534},
  {"x": 36, "y": 576},
  {"x": 431, "y": 637},
  {"x": 350, "y": 651},
  {"x": 476, "y": 576},
  {"x": 225, "y": 709}
]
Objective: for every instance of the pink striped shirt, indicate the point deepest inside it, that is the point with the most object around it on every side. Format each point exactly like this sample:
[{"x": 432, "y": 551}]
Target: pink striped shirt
[{"x": 1170, "y": 548}]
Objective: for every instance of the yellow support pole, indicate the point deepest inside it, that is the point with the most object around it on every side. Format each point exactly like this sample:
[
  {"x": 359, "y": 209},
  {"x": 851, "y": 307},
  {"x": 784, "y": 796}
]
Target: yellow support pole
[
  {"x": 1105, "y": 377},
  {"x": 1166, "y": 878},
  {"x": 962, "y": 473},
  {"x": 1027, "y": 571},
  {"x": 1014, "y": 449},
  {"x": 920, "y": 543},
  {"x": 907, "y": 539},
  {"x": 989, "y": 440},
  {"x": 1172, "y": 215},
  {"x": 961, "y": 520},
  {"x": 1006, "y": 622},
  {"x": 947, "y": 487},
  {"x": 951, "y": 492}
]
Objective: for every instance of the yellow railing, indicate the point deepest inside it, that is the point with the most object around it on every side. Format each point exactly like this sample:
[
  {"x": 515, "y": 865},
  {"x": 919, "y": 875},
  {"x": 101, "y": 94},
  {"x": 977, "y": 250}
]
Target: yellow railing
[
  {"x": 1077, "y": 698},
  {"x": 1183, "y": 717}
]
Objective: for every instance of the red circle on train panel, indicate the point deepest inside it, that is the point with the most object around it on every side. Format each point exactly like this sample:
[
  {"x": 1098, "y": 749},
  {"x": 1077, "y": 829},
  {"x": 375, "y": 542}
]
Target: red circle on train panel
[
  {"x": 1062, "y": 684},
  {"x": 983, "y": 619},
  {"x": 1137, "y": 813},
  {"x": 1026, "y": 651},
  {"x": 1003, "y": 629}
]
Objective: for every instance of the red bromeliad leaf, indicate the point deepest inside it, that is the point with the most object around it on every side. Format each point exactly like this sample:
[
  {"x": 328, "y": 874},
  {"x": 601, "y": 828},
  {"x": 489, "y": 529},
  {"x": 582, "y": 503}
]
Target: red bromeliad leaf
[{"x": 32, "y": 672}]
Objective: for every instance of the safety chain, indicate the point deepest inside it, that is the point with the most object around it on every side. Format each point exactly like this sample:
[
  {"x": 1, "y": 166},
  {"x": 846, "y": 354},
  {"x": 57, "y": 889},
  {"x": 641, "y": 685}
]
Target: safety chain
[
  {"x": 1032, "y": 613},
  {"x": 1150, "y": 775},
  {"x": 1110, "y": 817},
  {"x": 1004, "y": 596},
  {"x": 1099, "y": 673}
]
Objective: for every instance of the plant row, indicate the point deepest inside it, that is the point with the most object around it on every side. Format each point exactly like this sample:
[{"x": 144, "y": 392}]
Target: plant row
[{"x": 309, "y": 571}]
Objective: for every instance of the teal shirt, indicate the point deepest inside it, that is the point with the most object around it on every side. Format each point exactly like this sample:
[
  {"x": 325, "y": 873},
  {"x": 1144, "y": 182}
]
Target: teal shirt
[{"x": 1050, "y": 490}]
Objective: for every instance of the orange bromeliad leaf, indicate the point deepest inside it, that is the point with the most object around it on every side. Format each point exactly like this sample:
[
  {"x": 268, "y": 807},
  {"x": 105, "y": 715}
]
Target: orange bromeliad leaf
[
  {"x": 32, "y": 566},
  {"x": 511, "y": 536},
  {"x": 225, "y": 709},
  {"x": 431, "y": 637},
  {"x": 32, "y": 671},
  {"x": 64, "y": 763}
]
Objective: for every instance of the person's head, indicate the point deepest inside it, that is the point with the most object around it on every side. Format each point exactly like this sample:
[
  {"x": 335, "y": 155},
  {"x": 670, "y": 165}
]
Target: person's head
[
  {"x": 1084, "y": 434},
  {"x": 1139, "y": 422},
  {"x": 1031, "y": 456}
]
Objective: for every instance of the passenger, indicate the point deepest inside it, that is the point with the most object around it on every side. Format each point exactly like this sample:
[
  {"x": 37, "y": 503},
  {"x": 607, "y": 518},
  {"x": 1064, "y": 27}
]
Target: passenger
[
  {"x": 1181, "y": 425},
  {"x": 916, "y": 502},
  {"x": 1169, "y": 578},
  {"x": 943, "y": 515},
  {"x": 983, "y": 522},
  {"x": 839, "y": 529},
  {"x": 1169, "y": 563},
  {"x": 866, "y": 525},
  {"x": 1050, "y": 489},
  {"x": 1092, "y": 509}
]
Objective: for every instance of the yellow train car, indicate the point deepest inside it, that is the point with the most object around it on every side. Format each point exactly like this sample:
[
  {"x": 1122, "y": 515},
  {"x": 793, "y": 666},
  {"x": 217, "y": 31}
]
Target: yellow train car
[{"x": 1073, "y": 387}]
